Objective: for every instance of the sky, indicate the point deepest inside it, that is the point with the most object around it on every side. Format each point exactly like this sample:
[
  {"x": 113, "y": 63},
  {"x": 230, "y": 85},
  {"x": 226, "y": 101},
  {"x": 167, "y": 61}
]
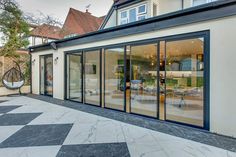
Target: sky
[{"x": 59, "y": 8}]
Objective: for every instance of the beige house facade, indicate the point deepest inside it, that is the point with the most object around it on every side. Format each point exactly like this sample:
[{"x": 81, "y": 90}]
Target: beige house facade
[{"x": 176, "y": 67}]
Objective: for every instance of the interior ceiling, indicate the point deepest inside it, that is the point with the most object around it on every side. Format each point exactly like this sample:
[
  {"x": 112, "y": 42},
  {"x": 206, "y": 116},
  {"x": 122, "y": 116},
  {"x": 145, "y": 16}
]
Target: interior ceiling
[
  {"x": 184, "y": 47},
  {"x": 173, "y": 48}
]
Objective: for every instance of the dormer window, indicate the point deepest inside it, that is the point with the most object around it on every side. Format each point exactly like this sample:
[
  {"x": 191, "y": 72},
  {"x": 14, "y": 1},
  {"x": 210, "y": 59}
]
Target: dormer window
[{"x": 133, "y": 14}]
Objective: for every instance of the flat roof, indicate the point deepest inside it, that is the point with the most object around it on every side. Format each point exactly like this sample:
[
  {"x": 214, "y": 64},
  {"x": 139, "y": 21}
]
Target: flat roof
[{"x": 209, "y": 11}]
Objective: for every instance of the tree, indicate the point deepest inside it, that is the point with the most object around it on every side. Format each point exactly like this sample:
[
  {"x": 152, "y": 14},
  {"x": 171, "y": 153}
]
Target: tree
[{"x": 14, "y": 27}]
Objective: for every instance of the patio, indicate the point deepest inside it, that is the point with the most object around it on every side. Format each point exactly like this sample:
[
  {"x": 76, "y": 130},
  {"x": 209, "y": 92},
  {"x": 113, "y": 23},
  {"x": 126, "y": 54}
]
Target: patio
[{"x": 38, "y": 126}]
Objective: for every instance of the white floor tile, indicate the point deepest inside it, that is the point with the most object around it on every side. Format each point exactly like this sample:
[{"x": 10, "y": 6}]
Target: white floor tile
[
  {"x": 99, "y": 131},
  {"x": 7, "y": 131},
  {"x": 46, "y": 151}
]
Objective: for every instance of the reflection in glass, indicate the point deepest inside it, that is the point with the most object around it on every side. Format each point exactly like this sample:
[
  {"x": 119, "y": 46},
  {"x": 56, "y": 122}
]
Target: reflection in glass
[
  {"x": 49, "y": 75},
  {"x": 143, "y": 79},
  {"x": 46, "y": 75},
  {"x": 162, "y": 81},
  {"x": 114, "y": 78},
  {"x": 184, "y": 81},
  {"x": 92, "y": 77},
  {"x": 74, "y": 77},
  {"x": 42, "y": 75}
]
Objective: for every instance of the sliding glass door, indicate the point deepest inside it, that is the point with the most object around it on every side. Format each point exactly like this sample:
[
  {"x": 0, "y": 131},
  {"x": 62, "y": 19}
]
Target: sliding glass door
[
  {"x": 92, "y": 77},
  {"x": 182, "y": 78},
  {"x": 165, "y": 79},
  {"x": 46, "y": 75},
  {"x": 143, "y": 79},
  {"x": 74, "y": 77},
  {"x": 114, "y": 76}
]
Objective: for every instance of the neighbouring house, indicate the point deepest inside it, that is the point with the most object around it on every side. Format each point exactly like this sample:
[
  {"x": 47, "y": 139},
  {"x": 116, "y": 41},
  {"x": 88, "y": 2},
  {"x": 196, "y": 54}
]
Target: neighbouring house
[
  {"x": 167, "y": 60},
  {"x": 76, "y": 23},
  {"x": 79, "y": 23},
  {"x": 43, "y": 34}
]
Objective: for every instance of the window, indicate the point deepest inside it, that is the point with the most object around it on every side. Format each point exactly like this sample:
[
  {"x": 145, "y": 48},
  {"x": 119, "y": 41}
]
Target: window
[
  {"x": 142, "y": 9},
  {"x": 200, "y": 2},
  {"x": 142, "y": 12},
  {"x": 133, "y": 14},
  {"x": 142, "y": 17},
  {"x": 124, "y": 17}
]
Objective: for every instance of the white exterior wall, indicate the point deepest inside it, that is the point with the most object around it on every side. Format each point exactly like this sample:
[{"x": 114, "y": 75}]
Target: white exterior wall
[
  {"x": 167, "y": 6},
  {"x": 222, "y": 68}
]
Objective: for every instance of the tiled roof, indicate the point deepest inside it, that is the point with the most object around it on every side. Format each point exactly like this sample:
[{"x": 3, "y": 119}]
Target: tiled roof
[
  {"x": 47, "y": 31},
  {"x": 78, "y": 22}
]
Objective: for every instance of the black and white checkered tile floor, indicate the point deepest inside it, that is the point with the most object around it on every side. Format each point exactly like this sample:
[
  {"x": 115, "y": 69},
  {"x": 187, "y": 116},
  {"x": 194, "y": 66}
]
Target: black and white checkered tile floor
[{"x": 34, "y": 128}]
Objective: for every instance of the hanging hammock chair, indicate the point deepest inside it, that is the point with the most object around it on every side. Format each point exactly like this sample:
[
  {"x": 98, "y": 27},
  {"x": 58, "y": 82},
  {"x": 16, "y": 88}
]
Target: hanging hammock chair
[{"x": 13, "y": 79}]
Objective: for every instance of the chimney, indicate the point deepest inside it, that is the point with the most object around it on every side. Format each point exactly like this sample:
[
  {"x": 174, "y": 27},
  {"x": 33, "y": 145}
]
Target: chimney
[{"x": 87, "y": 12}]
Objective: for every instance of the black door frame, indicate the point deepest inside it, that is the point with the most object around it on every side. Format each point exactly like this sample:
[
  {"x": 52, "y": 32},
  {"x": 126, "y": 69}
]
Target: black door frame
[
  {"x": 81, "y": 52},
  {"x": 67, "y": 76},
  {"x": 203, "y": 34},
  {"x": 44, "y": 74},
  {"x": 206, "y": 92},
  {"x": 100, "y": 75}
]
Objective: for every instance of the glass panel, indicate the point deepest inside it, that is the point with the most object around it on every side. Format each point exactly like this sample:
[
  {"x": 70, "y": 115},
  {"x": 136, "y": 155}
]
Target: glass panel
[
  {"x": 142, "y": 9},
  {"x": 114, "y": 78},
  {"x": 162, "y": 81},
  {"x": 143, "y": 78},
  {"x": 49, "y": 76},
  {"x": 199, "y": 2},
  {"x": 128, "y": 52},
  {"x": 185, "y": 81},
  {"x": 92, "y": 77},
  {"x": 42, "y": 75},
  {"x": 74, "y": 73},
  {"x": 123, "y": 21},
  {"x": 132, "y": 15},
  {"x": 124, "y": 14},
  {"x": 142, "y": 17}
]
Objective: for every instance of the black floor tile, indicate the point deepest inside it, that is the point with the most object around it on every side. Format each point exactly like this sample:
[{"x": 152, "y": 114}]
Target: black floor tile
[
  {"x": 5, "y": 109},
  {"x": 2, "y": 101},
  {"x": 186, "y": 132},
  {"x": 95, "y": 150},
  {"x": 38, "y": 135},
  {"x": 17, "y": 118}
]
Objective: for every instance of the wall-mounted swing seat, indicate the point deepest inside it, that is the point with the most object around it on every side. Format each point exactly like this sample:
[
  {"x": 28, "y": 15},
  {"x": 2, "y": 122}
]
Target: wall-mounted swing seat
[{"x": 13, "y": 79}]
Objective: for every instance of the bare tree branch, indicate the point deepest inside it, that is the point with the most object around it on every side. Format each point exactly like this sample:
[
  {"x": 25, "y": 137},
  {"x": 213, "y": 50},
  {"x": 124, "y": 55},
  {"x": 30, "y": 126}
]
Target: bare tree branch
[{"x": 41, "y": 18}]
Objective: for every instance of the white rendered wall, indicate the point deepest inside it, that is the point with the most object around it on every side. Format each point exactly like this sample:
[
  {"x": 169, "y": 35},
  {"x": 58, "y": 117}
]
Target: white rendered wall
[{"x": 222, "y": 68}]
